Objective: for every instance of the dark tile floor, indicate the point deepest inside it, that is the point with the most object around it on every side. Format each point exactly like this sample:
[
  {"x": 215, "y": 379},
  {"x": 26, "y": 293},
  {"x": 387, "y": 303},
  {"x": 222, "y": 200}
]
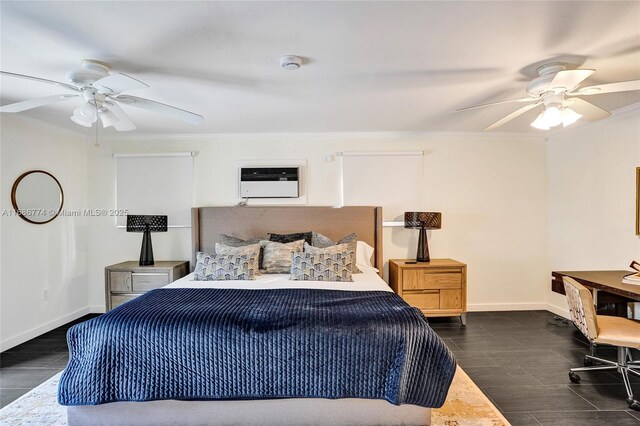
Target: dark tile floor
[
  {"x": 25, "y": 366},
  {"x": 519, "y": 359}
]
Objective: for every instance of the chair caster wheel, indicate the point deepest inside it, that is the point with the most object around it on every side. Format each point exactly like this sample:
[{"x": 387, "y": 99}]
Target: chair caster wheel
[
  {"x": 634, "y": 404},
  {"x": 574, "y": 377},
  {"x": 588, "y": 362}
]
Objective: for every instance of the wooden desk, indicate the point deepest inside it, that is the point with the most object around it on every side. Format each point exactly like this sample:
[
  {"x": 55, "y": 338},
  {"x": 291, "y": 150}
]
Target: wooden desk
[{"x": 609, "y": 282}]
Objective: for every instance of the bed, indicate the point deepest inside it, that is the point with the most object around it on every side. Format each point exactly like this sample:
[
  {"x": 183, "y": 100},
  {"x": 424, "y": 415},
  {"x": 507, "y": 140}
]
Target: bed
[{"x": 383, "y": 396}]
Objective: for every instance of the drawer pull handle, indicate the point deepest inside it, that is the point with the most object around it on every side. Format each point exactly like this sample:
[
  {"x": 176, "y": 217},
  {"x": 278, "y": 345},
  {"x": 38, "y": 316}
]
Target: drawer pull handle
[{"x": 152, "y": 274}]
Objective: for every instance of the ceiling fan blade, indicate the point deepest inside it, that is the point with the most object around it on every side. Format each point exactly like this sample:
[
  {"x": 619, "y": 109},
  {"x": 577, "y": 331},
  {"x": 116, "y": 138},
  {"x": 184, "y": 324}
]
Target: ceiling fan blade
[
  {"x": 123, "y": 123},
  {"x": 34, "y": 103},
  {"x": 527, "y": 99},
  {"x": 516, "y": 113},
  {"x": 589, "y": 111},
  {"x": 118, "y": 83},
  {"x": 622, "y": 86},
  {"x": 161, "y": 108},
  {"x": 569, "y": 79},
  {"x": 42, "y": 80}
]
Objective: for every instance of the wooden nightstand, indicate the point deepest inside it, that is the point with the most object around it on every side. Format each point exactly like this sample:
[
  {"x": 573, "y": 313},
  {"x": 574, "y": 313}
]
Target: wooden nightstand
[
  {"x": 438, "y": 288},
  {"x": 127, "y": 280}
]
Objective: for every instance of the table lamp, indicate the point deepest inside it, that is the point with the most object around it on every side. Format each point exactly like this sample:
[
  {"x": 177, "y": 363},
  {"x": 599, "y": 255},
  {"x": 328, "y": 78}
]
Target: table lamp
[
  {"x": 422, "y": 221},
  {"x": 146, "y": 224}
]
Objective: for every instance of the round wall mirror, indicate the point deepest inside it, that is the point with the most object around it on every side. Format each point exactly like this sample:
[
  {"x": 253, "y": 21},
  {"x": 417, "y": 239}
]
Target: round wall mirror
[{"x": 37, "y": 197}]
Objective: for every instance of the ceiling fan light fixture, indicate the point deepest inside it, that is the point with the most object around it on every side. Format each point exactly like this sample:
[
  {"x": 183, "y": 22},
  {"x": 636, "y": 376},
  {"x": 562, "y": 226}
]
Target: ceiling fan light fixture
[
  {"x": 85, "y": 115},
  {"x": 553, "y": 115},
  {"x": 540, "y": 122},
  {"x": 87, "y": 111},
  {"x": 569, "y": 117},
  {"x": 78, "y": 119},
  {"x": 108, "y": 118}
]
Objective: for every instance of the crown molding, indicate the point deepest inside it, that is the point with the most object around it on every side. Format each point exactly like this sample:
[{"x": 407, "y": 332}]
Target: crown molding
[
  {"x": 318, "y": 136},
  {"x": 199, "y": 137},
  {"x": 627, "y": 109}
]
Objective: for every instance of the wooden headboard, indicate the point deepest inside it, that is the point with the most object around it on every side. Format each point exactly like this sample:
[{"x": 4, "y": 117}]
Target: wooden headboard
[{"x": 250, "y": 222}]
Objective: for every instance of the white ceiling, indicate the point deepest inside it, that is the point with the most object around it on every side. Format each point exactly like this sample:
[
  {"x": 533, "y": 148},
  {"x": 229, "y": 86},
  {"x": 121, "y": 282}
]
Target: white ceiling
[{"x": 371, "y": 66}]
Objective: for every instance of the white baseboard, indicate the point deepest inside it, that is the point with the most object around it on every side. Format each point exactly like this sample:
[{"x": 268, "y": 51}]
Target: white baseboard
[
  {"x": 558, "y": 311},
  {"x": 97, "y": 309},
  {"x": 478, "y": 307},
  {"x": 41, "y": 329}
]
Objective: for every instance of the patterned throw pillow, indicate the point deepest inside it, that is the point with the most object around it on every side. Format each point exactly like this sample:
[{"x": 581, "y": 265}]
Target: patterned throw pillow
[
  {"x": 277, "y": 256},
  {"x": 289, "y": 238},
  {"x": 336, "y": 249},
  {"x": 351, "y": 241},
  {"x": 321, "y": 267},
  {"x": 228, "y": 240},
  {"x": 223, "y": 267}
]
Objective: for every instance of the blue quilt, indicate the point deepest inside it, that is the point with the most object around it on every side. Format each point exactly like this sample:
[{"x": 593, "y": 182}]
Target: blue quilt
[{"x": 211, "y": 344}]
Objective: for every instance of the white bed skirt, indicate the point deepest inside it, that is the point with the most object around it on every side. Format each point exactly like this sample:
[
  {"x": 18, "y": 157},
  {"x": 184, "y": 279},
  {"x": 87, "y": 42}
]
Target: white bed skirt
[{"x": 294, "y": 411}]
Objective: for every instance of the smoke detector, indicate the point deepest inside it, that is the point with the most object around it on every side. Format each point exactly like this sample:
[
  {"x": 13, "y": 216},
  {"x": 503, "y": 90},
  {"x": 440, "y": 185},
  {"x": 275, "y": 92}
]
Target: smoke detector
[{"x": 290, "y": 62}]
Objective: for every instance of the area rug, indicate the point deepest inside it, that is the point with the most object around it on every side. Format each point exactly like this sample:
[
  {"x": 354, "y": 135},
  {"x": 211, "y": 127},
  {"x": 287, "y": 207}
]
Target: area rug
[{"x": 466, "y": 405}]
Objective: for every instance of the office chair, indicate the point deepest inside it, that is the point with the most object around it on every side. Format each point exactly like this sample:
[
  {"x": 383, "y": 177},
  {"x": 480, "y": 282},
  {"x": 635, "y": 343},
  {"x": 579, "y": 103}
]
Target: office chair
[{"x": 603, "y": 330}]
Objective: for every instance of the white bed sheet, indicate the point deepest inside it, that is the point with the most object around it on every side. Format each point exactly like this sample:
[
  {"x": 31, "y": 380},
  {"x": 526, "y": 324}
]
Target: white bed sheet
[{"x": 368, "y": 280}]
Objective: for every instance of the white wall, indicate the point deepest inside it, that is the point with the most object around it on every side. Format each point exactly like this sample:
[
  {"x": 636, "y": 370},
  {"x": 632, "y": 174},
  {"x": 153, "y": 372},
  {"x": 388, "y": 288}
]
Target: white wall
[
  {"x": 514, "y": 208},
  {"x": 491, "y": 190},
  {"x": 591, "y": 174},
  {"x": 53, "y": 255}
]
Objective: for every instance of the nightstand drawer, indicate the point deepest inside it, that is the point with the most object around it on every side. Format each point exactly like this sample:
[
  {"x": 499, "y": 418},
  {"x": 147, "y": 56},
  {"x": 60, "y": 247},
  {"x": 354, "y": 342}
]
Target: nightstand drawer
[
  {"x": 423, "y": 300},
  {"x": 428, "y": 279},
  {"x": 149, "y": 280},
  {"x": 117, "y": 300},
  {"x": 450, "y": 299},
  {"x": 125, "y": 281},
  {"x": 120, "y": 281}
]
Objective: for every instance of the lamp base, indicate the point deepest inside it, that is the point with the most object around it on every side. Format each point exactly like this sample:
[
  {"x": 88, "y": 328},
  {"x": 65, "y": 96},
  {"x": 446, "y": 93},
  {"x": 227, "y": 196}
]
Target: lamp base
[
  {"x": 146, "y": 251},
  {"x": 423, "y": 247}
]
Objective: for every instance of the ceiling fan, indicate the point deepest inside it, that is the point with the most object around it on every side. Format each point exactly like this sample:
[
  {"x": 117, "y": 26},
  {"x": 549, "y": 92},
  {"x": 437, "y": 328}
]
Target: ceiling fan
[
  {"x": 556, "y": 90},
  {"x": 100, "y": 91}
]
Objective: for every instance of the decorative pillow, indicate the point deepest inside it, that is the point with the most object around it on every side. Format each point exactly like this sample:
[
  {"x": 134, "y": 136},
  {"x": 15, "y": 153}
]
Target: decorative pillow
[
  {"x": 336, "y": 249},
  {"x": 319, "y": 240},
  {"x": 364, "y": 253},
  {"x": 277, "y": 256},
  {"x": 228, "y": 240},
  {"x": 223, "y": 267},
  {"x": 321, "y": 267},
  {"x": 238, "y": 242},
  {"x": 289, "y": 238},
  {"x": 350, "y": 240},
  {"x": 248, "y": 249}
]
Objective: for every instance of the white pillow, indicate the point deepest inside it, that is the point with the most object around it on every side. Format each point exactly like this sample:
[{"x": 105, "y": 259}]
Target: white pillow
[{"x": 364, "y": 254}]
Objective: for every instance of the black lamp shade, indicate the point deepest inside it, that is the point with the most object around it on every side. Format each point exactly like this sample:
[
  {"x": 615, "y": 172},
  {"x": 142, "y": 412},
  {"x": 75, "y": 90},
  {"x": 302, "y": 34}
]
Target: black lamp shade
[
  {"x": 423, "y": 221},
  {"x": 426, "y": 220},
  {"x": 139, "y": 223},
  {"x": 146, "y": 224}
]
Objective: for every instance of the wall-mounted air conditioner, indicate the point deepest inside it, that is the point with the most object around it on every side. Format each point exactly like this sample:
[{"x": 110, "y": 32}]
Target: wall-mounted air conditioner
[{"x": 269, "y": 182}]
